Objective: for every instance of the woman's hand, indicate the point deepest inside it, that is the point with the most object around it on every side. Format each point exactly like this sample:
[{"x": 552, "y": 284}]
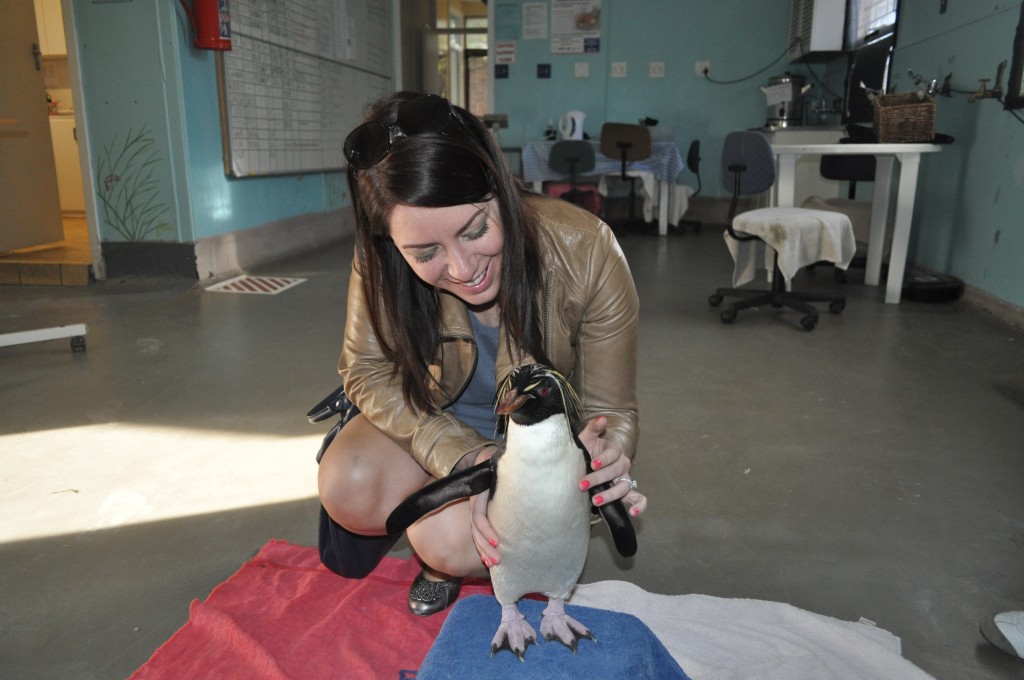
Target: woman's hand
[
  {"x": 484, "y": 537},
  {"x": 608, "y": 463}
]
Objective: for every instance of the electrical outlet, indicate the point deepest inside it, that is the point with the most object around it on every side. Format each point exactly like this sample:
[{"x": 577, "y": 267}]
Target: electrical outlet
[
  {"x": 618, "y": 69},
  {"x": 657, "y": 69},
  {"x": 702, "y": 69}
]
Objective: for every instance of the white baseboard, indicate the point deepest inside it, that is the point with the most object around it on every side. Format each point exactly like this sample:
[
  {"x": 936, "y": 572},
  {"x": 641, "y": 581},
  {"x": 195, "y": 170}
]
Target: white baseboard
[{"x": 234, "y": 253}]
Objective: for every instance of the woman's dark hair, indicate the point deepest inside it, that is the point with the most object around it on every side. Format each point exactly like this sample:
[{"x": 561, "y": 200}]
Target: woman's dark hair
[{"x": 460, "y": 165}]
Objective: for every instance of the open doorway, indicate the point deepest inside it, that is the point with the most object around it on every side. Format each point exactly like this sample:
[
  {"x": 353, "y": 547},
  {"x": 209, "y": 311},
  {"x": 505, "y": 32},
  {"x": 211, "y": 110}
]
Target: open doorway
[
  {"x": 46, "y": 243},
  {"x": 462, "y": 54}
]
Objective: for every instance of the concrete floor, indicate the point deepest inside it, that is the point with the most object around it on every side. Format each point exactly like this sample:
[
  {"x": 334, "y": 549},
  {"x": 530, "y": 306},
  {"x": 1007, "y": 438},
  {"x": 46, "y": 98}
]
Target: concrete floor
[{"x": 871, "y": 468}]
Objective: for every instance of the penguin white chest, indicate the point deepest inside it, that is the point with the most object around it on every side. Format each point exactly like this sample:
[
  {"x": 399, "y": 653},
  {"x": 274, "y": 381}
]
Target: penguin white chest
[{"x": 541, "y": 516}]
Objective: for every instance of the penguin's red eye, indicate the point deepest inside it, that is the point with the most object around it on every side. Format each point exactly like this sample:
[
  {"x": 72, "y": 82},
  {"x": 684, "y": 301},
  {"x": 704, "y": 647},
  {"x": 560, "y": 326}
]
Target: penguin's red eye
[{"x": 544, "y": 391}]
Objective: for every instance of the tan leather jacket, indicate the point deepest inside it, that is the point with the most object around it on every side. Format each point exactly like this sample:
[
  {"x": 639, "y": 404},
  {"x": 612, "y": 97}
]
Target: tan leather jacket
[{"x": 590, "y": 317}]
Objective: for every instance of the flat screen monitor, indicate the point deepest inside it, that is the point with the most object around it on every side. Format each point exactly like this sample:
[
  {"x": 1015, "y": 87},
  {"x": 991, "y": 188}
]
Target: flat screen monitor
[{"x": 870, "y": 65}]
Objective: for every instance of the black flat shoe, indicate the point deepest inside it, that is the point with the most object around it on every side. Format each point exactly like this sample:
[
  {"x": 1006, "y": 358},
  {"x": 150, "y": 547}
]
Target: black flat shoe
[{"x": 428, "y": 597}]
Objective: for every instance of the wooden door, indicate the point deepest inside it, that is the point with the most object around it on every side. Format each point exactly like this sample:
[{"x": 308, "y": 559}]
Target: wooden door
[{"x": 29, "y": 204}]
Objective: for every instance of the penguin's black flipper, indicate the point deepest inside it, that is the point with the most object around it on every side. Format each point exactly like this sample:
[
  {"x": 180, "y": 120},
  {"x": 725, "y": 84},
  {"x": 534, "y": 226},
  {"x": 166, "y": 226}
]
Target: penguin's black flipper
[
  {"x": 438, "y": 493},
  {"x": 623, "y": 534},
  {"x": 614, "y": 513}
]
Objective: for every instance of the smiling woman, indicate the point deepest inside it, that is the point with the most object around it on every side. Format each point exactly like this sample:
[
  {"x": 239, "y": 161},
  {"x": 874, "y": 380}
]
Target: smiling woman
[{"x": 460, "y": 276}]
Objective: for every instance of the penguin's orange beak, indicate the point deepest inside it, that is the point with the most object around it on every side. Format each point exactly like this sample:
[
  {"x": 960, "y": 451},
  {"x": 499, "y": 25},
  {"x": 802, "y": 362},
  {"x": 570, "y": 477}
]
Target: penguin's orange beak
[{"x": 512, "y": 402}]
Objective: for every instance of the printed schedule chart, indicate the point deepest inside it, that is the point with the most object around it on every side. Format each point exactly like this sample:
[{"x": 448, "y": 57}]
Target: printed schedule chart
[{"x": 297, "y": 78}]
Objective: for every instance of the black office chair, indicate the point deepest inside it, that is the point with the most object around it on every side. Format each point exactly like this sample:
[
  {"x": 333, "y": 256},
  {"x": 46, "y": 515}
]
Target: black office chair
[
  {"x": 693, "y": 165},
  {"x": 628, "y": 143},
  {"x": 748, "y": 168},
  {"x": 570, "y": 157},
  {"x": 852, "y": 169}
]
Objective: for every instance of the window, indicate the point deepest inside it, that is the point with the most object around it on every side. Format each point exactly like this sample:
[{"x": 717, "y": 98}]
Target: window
[{"x": 869, "y": 20}]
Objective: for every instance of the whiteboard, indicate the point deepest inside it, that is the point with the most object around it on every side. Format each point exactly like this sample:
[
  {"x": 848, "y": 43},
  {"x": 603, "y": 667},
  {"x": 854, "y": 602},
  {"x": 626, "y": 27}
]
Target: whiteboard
[{"x": 297, "y": 79}]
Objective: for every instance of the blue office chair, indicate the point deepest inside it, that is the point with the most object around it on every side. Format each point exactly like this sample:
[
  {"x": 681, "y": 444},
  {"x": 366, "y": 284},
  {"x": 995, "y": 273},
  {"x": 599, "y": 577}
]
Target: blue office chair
[{"x": 748, "y": 168}]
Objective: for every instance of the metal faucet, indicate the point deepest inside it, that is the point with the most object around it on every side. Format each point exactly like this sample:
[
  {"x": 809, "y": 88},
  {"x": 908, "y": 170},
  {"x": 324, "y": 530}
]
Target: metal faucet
[{"x": 983, "y": 92}]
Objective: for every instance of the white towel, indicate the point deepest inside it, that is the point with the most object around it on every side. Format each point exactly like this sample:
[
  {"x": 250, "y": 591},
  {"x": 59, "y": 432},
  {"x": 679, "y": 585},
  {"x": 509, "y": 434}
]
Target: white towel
[
  {"x": 799, "y": 236},
  {"x": 713, "y": 638},
  {"x": 648, "y": 183}
]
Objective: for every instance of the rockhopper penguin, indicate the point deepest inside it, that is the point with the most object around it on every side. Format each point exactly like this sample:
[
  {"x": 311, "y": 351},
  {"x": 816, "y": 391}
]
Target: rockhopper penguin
[{"x": 541, "y": 517}]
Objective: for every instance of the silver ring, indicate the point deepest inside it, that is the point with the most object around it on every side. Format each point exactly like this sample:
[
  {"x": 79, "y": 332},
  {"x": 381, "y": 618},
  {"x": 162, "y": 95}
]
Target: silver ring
[{"x": 627, "y": 480}]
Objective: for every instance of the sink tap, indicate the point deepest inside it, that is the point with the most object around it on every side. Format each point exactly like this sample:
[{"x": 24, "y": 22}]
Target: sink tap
[{"x": 982, "y": 92}]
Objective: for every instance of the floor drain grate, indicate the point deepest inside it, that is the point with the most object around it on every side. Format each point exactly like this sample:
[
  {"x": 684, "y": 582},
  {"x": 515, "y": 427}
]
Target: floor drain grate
[{"x": 256, "y": 285}]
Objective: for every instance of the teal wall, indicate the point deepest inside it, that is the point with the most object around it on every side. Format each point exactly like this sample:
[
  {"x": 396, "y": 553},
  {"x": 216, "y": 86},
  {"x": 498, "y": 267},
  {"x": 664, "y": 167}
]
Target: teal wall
[
  {"x": 969, "y": 220},
  {"x": 141, "y": 74},
  {"x": 137, "y": 165}
]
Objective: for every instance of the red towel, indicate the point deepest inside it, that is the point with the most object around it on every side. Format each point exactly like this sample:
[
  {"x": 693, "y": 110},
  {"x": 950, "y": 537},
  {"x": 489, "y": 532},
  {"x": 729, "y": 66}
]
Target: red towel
[{"x": 285, "y": 616}]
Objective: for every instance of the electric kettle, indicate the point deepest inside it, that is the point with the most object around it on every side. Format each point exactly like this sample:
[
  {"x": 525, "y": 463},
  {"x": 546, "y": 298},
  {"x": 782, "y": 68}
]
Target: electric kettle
[{"x": 570, "y": 125}]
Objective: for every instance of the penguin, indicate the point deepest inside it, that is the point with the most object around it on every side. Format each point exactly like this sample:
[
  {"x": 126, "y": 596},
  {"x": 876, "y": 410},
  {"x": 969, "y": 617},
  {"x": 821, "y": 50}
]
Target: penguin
[{"x": 535, "y": 506}]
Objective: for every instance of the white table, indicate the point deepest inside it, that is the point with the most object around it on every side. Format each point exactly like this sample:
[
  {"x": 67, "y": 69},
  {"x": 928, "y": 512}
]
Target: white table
[
  {"x": 665, "y": 164},
  {"x": 909, "y": 156}
]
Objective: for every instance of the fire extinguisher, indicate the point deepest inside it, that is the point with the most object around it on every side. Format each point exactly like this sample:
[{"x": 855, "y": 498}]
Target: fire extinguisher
[{"x": 211, "y": 21}]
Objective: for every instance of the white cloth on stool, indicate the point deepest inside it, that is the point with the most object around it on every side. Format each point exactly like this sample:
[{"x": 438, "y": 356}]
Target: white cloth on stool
[
  {"x": 679, "y": 202},
  {"x": 647, "y": 181},
  {"x": 799, "y": 236}
]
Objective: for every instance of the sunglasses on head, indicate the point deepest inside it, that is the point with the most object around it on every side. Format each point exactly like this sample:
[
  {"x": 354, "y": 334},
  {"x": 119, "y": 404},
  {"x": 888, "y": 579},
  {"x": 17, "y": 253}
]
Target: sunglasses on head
[{"x": 369, "y": 143}]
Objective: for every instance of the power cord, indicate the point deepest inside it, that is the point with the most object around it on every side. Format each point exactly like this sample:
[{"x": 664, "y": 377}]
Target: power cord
[
  {"x": 797, "y": 42},
  {"x": 708, "y": 77},
  {"x": 814, "y": 74}
]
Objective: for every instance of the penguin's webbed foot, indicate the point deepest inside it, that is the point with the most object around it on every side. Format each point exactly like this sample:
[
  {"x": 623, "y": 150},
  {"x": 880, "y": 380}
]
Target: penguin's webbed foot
[
  {"x": 514, "y": 633},
  {"x": 557, "y": 625}
]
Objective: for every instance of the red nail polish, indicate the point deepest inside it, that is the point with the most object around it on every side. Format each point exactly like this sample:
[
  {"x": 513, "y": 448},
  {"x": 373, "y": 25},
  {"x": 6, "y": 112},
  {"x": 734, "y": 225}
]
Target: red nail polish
[
  {"x": 494, "y": 543},
  {"x": 596, "y": 465},
  {"x": 634, "y": 511},
  {"x": 598, "y": 500},
  {"x": 584, "y": 485}
]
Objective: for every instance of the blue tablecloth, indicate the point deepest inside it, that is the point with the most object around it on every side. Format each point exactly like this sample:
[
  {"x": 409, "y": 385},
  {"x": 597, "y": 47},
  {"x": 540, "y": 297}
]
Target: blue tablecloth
[{"x": 666, "y": 162}]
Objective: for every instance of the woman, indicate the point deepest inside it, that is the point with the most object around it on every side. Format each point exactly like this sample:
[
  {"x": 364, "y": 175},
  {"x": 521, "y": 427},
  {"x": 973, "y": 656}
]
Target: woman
[{"x": 459, "y": 276}]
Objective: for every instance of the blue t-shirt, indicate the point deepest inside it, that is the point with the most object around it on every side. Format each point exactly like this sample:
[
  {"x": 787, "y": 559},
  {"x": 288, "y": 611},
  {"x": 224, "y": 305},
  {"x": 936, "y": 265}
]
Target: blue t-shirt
[{"x": 475, "y": 406}]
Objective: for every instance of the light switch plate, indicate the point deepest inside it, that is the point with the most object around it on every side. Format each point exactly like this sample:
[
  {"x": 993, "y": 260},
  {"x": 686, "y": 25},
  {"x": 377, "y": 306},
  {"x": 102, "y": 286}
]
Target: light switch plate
[
  {"x": 581, "y": 69},
  {"x": 618, "y": 69}
]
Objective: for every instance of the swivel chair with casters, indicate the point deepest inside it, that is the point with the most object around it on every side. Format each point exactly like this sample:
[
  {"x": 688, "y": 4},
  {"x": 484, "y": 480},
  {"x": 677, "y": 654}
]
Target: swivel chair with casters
[
  {"x": 797, "y": 237},
  {"x": 571, "y": 157},
  {"x": 628, "y": 143}
]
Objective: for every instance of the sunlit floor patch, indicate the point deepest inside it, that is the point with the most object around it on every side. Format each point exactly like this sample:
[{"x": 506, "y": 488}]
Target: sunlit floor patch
[{"x": 75, "y": 479}]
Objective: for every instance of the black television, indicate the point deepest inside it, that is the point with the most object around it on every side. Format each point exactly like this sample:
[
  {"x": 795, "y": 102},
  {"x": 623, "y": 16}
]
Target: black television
[{"x": 869, "y": 64}]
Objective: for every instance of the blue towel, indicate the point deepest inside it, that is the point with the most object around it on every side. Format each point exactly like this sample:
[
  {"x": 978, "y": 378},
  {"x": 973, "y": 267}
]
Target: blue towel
[{"x": 625, "y": 647}]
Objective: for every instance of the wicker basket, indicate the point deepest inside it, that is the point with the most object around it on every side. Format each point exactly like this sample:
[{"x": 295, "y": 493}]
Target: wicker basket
[{"x": 903, "y": 118}]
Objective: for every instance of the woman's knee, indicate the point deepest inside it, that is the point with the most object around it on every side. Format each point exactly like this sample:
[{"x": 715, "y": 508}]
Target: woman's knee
[
  {"x": 342, "y": 481},
  {"x": 357, "y": 478}
]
